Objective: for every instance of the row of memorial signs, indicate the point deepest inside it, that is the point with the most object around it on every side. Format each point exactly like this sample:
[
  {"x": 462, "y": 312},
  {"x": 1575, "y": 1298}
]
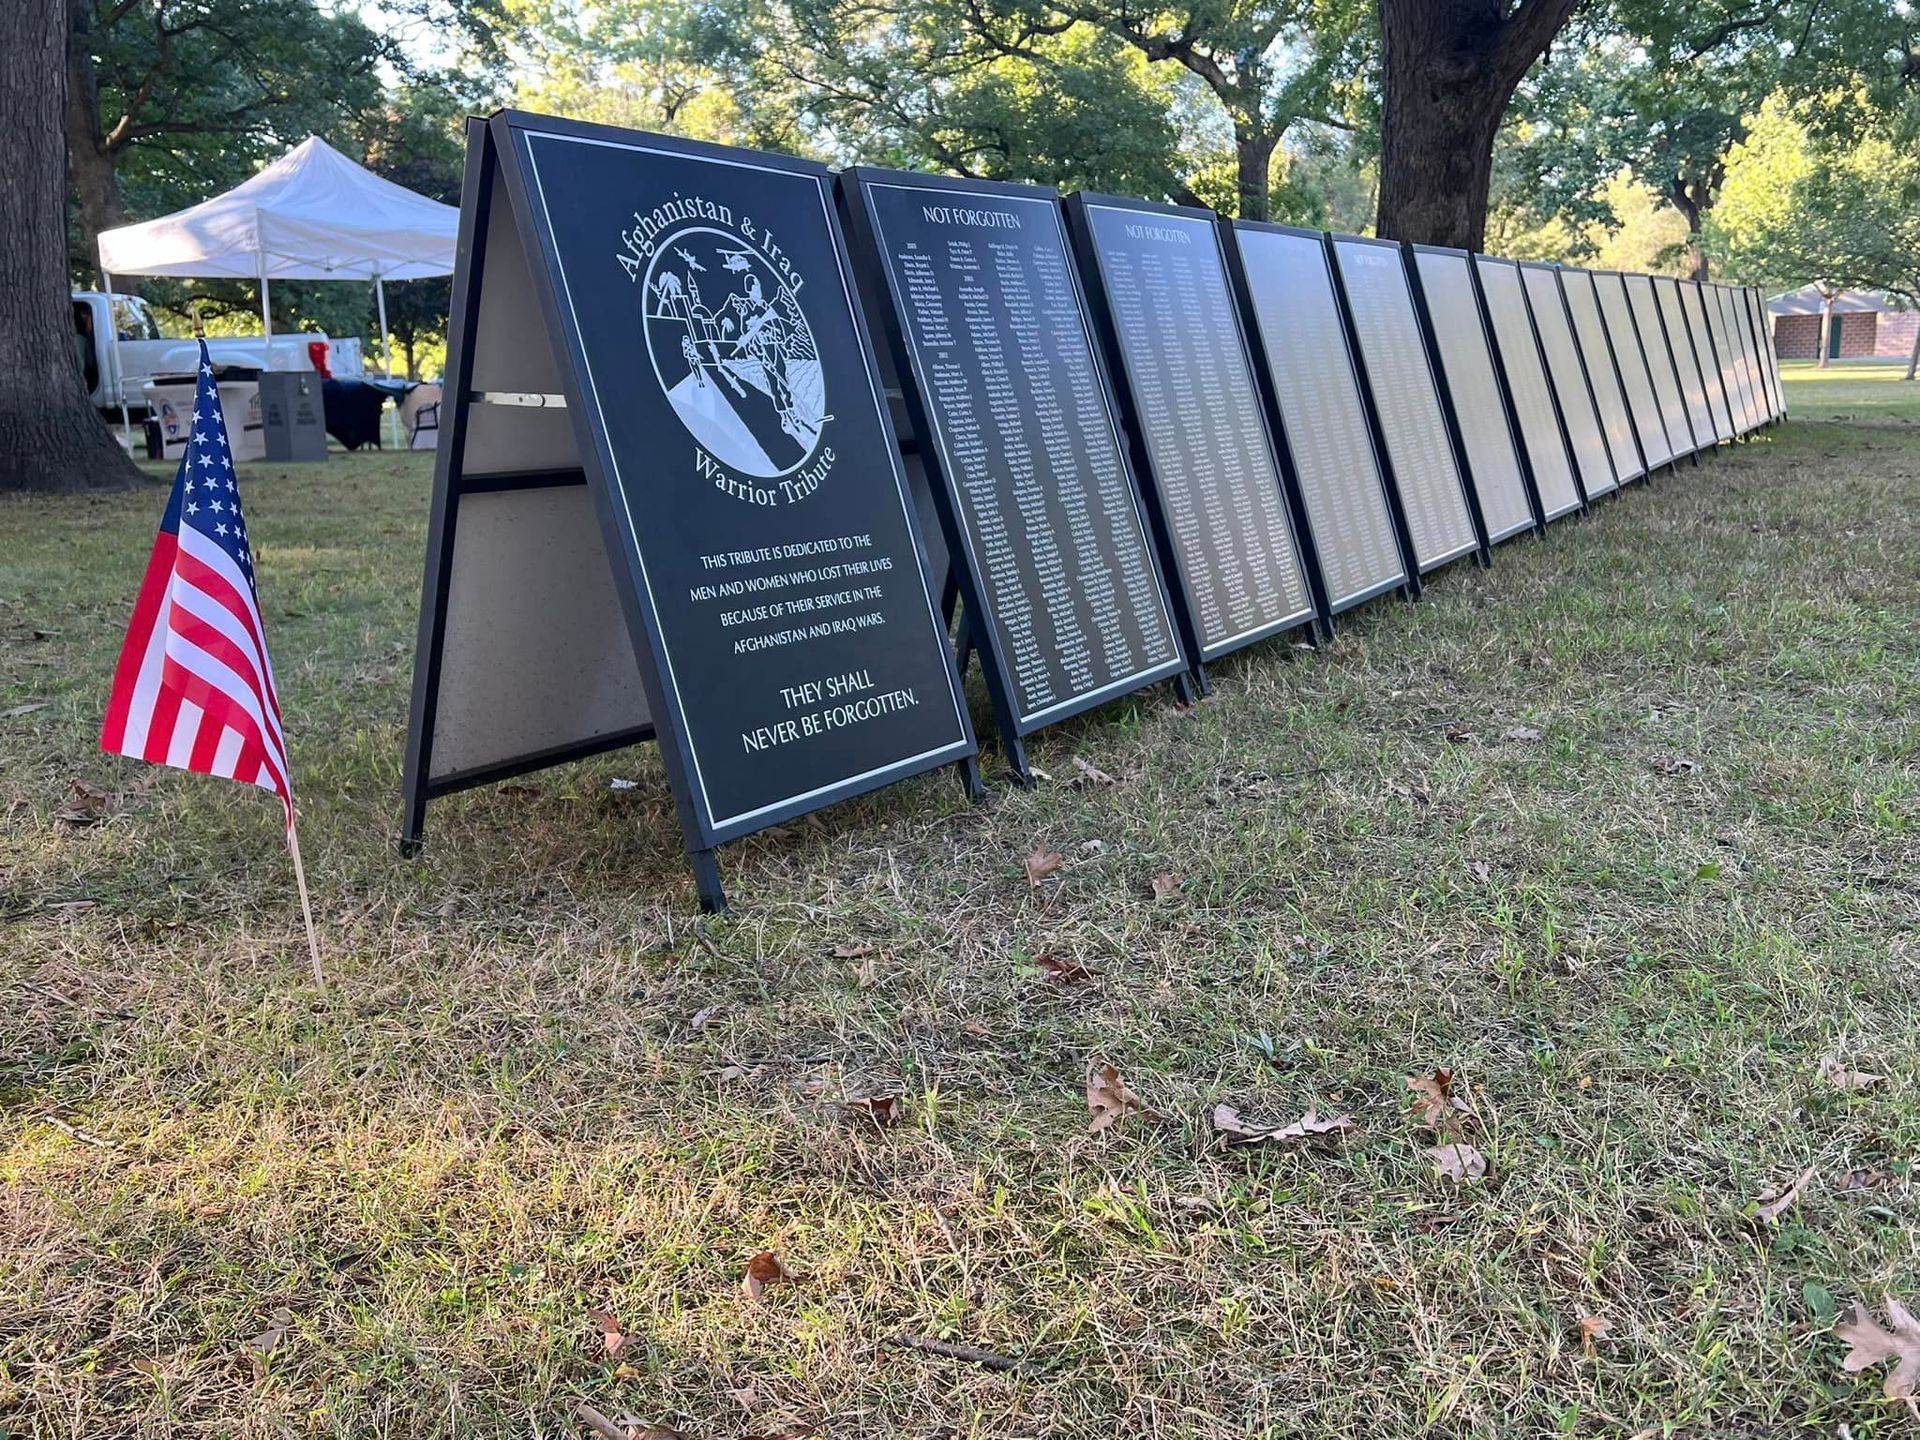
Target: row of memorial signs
[{"x": 733, "y": 437}]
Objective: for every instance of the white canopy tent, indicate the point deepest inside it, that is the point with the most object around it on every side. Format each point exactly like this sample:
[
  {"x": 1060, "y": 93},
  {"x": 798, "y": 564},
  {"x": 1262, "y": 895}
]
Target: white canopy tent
[{"x": 311, "y": 215}]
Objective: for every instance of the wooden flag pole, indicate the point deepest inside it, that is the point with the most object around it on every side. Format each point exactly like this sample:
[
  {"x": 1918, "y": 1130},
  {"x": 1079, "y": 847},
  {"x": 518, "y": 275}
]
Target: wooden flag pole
[{"x": 306, "y": 907}]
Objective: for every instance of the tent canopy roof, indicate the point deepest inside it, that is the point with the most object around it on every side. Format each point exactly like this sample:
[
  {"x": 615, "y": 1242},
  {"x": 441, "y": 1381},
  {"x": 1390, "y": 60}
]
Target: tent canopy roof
[{"x": 311, "y": 215}]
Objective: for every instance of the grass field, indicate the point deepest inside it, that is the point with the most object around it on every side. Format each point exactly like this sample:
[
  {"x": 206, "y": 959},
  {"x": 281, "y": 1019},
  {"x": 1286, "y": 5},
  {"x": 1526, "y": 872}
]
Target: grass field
[{"x": 1623, "y": 831}]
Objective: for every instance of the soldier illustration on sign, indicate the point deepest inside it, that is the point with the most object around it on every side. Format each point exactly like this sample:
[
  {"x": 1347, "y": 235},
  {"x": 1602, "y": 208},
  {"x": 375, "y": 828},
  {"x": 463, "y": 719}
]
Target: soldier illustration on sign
[{"x": 742, "y": 373}]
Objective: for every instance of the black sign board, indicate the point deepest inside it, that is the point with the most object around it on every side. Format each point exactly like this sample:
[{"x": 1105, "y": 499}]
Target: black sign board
[
  {"x": 1661, "y": 370},
  {"x": 1456, "y": 325},
  {"x": 666, "y": 435},
  {"x": 1630, "y": 357},
  {"x": 1157, "y": 287},
  {"x": 1708, "y": 354},
  {"x": 1686, "y": 359},
  {"x": 1603, "y": 373},
  {"x": 1568, "y": 374},
  {"x": 1010, "y": 402},
  {"x": 1424, "y": 459},
  {"x": 1305, "y": 360},
  {"x": 1545, "y": 444}
]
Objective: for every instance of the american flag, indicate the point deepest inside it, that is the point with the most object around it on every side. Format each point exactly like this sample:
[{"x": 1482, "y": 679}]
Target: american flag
[{"x": 193, "y": 688}]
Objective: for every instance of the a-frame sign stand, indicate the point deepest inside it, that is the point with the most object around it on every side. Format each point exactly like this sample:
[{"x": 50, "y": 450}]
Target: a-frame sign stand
[{"x": 668, "y": 502}]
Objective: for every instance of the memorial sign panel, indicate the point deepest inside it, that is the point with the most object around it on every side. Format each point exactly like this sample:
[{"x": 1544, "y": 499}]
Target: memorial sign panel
[
  {"x": 1157, "y": 284},
  {"x": 1306, "y": 360},
  {"x": 1523, "y": 366},
  {"x": 1686, "y": 359},
  {"x": 1742, "y": 361},
  {"x": 1603, "y": 374},
  {"x": 1568, "y": 375},
  {"x": 1424, "y": 465},
  {"x": 1708, "y": 354},
  {"x": 1763, "y": 337},
  {"x": 1456, "y": 328},
  {"x": 1635, "y": 375},
  {"x": 1714, "y": 297},
  {"x": 1665, "y": 377},
  {"x": 667, "y": 497},
  {"x": 1062, "y": 589}
]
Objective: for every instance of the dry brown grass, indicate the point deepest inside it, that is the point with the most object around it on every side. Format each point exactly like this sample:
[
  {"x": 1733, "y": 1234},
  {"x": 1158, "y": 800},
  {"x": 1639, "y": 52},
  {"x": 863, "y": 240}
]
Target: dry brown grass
[{"x": 502, "y": 1115}]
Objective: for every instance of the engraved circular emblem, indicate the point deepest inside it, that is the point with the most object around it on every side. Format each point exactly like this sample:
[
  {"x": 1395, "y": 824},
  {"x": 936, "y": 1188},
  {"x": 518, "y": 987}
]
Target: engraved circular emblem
[{"x": 733, "y": 352}]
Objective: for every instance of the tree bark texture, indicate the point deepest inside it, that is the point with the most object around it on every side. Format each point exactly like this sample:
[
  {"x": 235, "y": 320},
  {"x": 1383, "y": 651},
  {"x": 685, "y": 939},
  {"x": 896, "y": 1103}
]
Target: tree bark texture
[
  {"x": 93, "y": 163},
  {"x": 1450, "y": 67},
  {"x": 51, "y": 438}
]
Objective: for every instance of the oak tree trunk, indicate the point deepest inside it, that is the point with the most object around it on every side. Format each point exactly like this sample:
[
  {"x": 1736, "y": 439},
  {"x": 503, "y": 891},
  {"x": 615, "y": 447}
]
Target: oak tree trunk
[
  {"x": 92, "y": 162},
  {"x": 1450, "y": 67},
  {"x": 1254, "y": 154},
  {"x": 51, "y": 438}
]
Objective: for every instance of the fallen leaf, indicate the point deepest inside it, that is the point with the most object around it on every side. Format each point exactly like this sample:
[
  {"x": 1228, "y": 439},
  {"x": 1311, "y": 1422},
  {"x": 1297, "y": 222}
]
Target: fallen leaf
[
  {"x": 1524, "y": 734},
  {"x": 17, "y": 711},
  {"x": 702, "y": 1018},
  {"x": 1458, "y": 734},
  {"x": 1042, "y": 863},
  {"x": 976, "y": 1029},
  {"x": 1092, "y": 773},
  {"x": 1672, "y": 764},
  {"x": 1839, "y": 1076},
  {"x": 1093, "y": 847},
  {"x": 1775, "y": 1202},
  {"x": 868, "y": 973},
  {"x": 1067, "y": 972},
  {"x": 1872, "y": 1345},
  {"x": 1592, "y": 1328},
  {"x": 611, "y": 1334},
  {"x": 763, "y": 1270},
  {"x": 618, "y": 784},
  {"x": 1481, "y": 871},
  {"x": 1309, "y": 1127},
  {"x": 854, "y": 952},
  {"x": 87, "y": 807},
  {"x": 1459, "y": 1161},
  {"x": 1867, "y": 1177},
  {"x": 882, "y": 1110},
  {"x": 267, "y": 1341},
  {"x": 1109, "y": 1097},
  {"x": 1434, "y": 1103},
  {"x": 1166, "y": 887},
  {"x": 626, "y": 1428}
]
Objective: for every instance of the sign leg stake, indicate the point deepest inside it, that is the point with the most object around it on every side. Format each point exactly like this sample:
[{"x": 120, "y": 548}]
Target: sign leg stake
[
  {"x": 706, "y": 879},
  {"x": 1191, "y": 685},
  {"x": 1017, "y": 758},
  {"x": 970, "y": 781}
]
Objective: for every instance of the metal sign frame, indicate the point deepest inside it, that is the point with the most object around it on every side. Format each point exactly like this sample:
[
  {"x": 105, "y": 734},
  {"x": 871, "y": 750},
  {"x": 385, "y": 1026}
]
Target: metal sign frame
[
  {"x": 1536, "y": 353},
  {"x": 1610, "y": 378}
]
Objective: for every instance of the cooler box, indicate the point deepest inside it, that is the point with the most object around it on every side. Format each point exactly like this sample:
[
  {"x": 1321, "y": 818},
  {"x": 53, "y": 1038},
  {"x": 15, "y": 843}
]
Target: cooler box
[
  {"x": 170, "y": 404},
  {"x": 293, "y": 415}
]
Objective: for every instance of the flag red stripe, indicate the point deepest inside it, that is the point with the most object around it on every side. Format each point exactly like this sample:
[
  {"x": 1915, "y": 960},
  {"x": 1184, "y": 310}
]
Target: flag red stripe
[
  {"x": 160, "y": 723},
  {"x": 206, "y": 745},
  {"x": 146, "y": 615}
]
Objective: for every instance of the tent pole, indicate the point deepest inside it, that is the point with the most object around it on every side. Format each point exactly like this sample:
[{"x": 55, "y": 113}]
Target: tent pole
[
  {"x": 119, "y": 376},
  {"x": 386, "y": 353}
]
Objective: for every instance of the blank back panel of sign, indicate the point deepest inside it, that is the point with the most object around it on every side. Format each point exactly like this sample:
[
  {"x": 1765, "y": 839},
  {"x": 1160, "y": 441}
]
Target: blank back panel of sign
[
  {"x": 1324, "y": 418},
  {"x": 1709, "y": 357},
  {"x": 1686, "y": 359},
  {"x": 1419, "y": 452},
  {"x": 1590, "y": 332},
  {"x": 1446, "y": 280},
  {"x": 1665, "y": 377},
  {"x": 1642, "y": 406},
  {"x": 1526, "y": 375},
  {"x": 1569, "y": 377}
]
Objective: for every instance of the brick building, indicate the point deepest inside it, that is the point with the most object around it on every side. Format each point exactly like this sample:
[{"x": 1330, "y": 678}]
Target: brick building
[{"x": 1867, "y": 325}]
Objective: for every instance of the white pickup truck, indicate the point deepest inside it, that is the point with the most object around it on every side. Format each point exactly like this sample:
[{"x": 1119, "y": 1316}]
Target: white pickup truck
[{"x": 145, "y": 353}]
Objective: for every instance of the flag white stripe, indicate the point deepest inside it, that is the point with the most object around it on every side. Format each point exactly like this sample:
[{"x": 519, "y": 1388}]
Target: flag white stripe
[
  {"x": 146, "y": 689},
  {"x": 226, "y": 759},
  {"x": 186, "y": 730},
  {"x": 217, "y": 560}
]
